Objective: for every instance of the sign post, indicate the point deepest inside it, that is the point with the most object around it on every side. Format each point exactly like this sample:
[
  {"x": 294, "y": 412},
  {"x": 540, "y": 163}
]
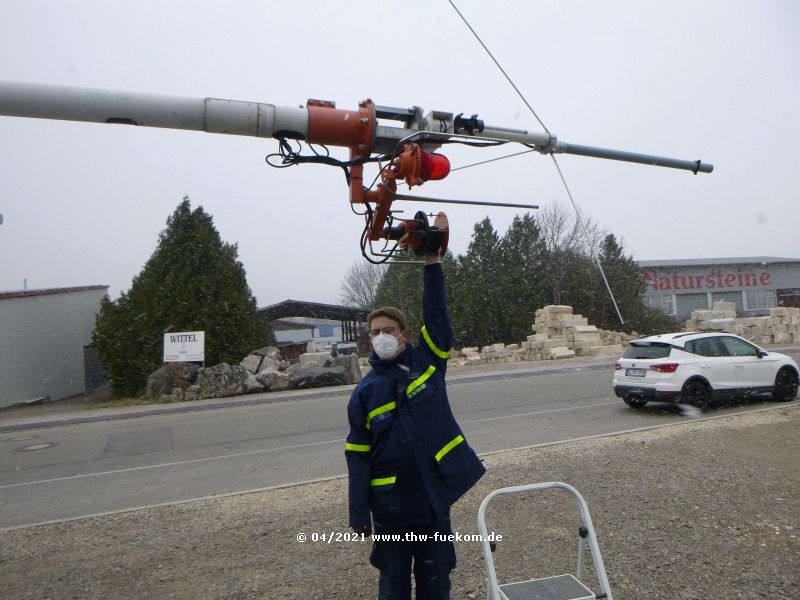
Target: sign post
[{"x": 185, "y": 346}]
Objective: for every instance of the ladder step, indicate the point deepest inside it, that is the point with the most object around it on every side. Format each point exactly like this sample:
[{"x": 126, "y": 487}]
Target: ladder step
[{"x": 559, "y": 587}]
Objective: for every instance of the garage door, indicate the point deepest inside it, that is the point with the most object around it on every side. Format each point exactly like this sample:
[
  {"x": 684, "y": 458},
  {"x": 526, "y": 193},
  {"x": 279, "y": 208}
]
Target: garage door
[
  {"x": 689, "y": 302},
  {"x": 735, "y": 297}
]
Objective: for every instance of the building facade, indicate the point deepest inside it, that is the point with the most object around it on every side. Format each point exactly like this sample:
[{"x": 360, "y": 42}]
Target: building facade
[
  {"x": 43, "y": 340},
  {"x": 754, "y": 284}
]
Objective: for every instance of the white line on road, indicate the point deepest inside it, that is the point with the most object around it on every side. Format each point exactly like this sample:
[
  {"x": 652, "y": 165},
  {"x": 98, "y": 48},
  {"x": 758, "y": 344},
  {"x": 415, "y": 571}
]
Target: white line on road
[
  {"x": 267, "y": 450},
  {"x": 171, "y": 464},
  {"x": 538, "y": 412},
  {"x": 333, "y": 477}
]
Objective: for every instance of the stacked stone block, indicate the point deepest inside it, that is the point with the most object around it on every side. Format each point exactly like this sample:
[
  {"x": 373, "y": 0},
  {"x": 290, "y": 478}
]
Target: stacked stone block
[
  {"x": 558, "y": 333},
  {"x": 780, "y": 327},
  {"x": 562, "y": 334}
]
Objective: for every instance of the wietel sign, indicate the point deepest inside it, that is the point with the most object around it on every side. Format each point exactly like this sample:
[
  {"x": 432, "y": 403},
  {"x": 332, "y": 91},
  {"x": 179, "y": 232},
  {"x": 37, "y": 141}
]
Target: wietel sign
[{"x": 184, "y": 346}]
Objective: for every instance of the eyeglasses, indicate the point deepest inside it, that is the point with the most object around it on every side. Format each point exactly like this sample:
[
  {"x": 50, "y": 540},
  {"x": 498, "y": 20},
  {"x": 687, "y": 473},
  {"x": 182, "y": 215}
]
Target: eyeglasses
[{"x": 387, "y": 330}]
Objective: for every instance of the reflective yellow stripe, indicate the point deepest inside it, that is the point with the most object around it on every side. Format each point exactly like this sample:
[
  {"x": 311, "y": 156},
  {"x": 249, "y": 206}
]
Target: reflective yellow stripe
[
  {"x": 383, "y": 481},
  {"x": 450, "y": 445},
  {"x": 380, "y": 410},
  {"x": 432, "y": 346},
  {"x": 357, "y": 447},
  {"x": 420, "y": 380}
]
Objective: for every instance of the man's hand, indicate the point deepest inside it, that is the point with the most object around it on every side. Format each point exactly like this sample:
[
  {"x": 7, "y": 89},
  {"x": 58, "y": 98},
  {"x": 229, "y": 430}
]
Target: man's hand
[
  {"x": 432, "y": 259},
  {"x": 364, "y": 530}
]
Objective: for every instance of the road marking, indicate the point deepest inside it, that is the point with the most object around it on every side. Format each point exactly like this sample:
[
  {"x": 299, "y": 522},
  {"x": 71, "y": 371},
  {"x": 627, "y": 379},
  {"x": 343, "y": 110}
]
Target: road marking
[
  {"x": 537, "y": 412},
  {"x": 334, "y": 477},
  {"x": 170, "y": 464},
  {"x": 172, "y": 503},
  {"x": 266, "y": 450}
]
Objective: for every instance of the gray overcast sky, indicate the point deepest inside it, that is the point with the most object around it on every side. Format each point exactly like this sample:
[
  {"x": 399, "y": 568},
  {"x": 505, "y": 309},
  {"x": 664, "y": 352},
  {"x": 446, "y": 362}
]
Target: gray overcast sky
[{"x": 719, "y": 80}]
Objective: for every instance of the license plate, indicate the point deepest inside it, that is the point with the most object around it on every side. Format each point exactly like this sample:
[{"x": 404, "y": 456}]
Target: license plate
[{"x": 635, "y": 372}]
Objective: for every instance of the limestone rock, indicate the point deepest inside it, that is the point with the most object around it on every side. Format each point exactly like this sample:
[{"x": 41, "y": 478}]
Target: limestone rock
[
  {"x": 172, "y": 375},
  {"x": 192, "y": 393},
  {"x": 351, "y": 367},
  {"x": 222, "y": 380},
  {"x": 252, "y": 385},
  {"x": 312, "y": 376},
  {"x": 252, "y": 362}
]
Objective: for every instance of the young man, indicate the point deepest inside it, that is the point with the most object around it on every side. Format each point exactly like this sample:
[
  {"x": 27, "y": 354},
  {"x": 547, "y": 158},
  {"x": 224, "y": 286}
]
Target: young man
[{"x": 407, "y": 457}]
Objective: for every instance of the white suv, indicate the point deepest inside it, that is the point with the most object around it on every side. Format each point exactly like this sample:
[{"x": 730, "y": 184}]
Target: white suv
[{"x": 696, "y": 368}]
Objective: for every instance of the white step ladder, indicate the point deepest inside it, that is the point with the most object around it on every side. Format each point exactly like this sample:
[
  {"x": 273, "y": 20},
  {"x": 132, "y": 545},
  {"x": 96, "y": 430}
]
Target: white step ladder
[{"x": 559, "y": 587}]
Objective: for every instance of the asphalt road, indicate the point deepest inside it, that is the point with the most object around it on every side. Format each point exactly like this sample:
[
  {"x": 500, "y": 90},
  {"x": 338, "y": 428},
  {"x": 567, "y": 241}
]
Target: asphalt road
[{"x": 83, "y": 468}]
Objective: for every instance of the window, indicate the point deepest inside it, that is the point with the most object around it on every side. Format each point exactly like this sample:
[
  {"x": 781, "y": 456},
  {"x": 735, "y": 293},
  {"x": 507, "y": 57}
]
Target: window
[
  {"x": 689, "y": 302},
  {"x": 707, "y": 347},
  {"x": 663, "y": 303},
  {"x": 761, "y": 299},
  {"x": 737, "y": 347},
  {"x": 647, "y": 350}
]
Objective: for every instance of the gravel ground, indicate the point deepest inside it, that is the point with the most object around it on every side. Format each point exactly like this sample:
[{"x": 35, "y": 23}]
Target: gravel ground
[{"x": 702, "y": 510}]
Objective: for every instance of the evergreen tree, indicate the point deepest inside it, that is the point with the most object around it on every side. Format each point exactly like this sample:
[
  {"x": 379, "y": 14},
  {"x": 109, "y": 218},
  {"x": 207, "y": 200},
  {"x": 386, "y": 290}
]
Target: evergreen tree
[
  {"x": 477, "y": 302},
  {"x": 192, "y": 282},
  {"x": 626, "y": 283},
  {"x": 523, "y": 284}
]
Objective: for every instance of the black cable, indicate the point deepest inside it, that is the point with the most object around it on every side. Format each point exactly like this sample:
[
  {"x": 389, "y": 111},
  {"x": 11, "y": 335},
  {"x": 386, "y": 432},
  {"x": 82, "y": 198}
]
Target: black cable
[{"x": 289, "y": 157}]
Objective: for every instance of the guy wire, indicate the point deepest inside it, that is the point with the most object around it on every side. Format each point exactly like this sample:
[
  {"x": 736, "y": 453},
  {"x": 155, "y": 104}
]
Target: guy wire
[{"x": 558, "y": 168}]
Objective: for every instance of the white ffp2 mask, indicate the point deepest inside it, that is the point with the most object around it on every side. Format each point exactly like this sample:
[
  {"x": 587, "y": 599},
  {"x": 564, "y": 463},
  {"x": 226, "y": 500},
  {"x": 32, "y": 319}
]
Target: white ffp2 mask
[{"x": 385, "y": 345}]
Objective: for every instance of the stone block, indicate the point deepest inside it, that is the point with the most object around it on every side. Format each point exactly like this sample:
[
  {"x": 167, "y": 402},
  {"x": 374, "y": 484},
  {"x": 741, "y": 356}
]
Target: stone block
[
  {"x": 583, "y": 329},
  {"x": 575, "y": 321},
  {"x": 314, "y": 357},
  {"x": 720, "y": 324},
  {"x": 561, "y": 352},
  {"x": 783, "y": 338},
  {"x": 548, "y": 344},
  {"x": 780, "y": 311},
  {"x": 558, "y": 309},
  {"x": 252, "y": 362}
]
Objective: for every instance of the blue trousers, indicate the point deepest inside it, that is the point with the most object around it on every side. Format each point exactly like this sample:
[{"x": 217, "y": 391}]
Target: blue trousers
[{"x": 433, "y": 560}]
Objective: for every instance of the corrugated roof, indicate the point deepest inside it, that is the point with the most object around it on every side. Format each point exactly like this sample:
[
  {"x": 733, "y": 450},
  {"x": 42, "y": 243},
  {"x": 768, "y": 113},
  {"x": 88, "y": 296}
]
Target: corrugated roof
[
  {"x": 50, "y": 291},
  {"x": 696, "y": 262},
  {"x": 298, "y": 308}
]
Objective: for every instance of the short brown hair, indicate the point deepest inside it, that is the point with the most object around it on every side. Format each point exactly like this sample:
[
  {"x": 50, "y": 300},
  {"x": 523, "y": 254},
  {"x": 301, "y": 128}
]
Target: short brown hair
[{"x": 395, "y": 314}]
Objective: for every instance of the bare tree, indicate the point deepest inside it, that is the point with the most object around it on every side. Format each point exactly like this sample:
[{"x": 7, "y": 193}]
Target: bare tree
[
  {"x": 360, "y": 284},
  {"x": 564, "y": 231},
  {"x": 567, "y": 236}
]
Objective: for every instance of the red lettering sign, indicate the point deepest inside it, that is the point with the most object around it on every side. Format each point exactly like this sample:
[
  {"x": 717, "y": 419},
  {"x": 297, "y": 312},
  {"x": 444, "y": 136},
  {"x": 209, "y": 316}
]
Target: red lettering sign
[{"x": 710, "y": 280}]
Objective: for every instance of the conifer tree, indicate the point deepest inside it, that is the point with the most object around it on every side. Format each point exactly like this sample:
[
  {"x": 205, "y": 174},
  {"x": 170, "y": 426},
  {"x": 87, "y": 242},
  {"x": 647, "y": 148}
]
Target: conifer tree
[
  {"x": 523, "y": 284},
  {"x": 477, "y": 302},
  {"x": 192, "y": 282}
]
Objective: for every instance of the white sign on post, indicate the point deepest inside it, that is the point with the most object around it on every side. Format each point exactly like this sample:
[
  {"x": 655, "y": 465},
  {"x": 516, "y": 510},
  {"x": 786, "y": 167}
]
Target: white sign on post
[{"x": 184, "y": 346}]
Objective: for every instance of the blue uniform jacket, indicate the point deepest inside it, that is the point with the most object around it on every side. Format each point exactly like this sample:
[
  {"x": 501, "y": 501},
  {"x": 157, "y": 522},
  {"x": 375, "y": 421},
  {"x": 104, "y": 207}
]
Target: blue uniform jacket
[{"x": 407, "y": 458}]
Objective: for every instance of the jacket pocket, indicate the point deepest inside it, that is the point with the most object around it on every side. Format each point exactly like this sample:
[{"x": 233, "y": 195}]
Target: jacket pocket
[
  {"x": 386, "y": 498},
  {"x": 458, "y": 466}
]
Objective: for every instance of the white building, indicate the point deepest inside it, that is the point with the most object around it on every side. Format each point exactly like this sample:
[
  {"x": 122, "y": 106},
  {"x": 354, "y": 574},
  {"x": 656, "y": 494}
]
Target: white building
[{"x": 43, "y": 334}]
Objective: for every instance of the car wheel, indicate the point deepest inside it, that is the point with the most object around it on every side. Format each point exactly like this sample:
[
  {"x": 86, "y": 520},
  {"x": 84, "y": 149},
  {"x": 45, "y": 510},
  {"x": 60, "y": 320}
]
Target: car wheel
[
  {"x": 786, "y": 382},
  {"x": 697, "y": 394},
  {"x": 634, "y": 402}
]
